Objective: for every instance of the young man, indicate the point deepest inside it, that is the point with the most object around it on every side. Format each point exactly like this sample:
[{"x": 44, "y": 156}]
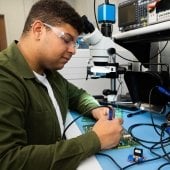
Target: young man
[{"x": 35, "y": 98}]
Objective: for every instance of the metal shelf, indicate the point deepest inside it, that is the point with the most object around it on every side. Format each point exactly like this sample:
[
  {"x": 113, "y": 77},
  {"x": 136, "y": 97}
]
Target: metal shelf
[
  {"x": 151, "y": 33},
  {"x": 139, "y": 41}
]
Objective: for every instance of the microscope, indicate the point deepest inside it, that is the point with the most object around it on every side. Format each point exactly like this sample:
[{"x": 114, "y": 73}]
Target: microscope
[{"x": 103, "y": 64}]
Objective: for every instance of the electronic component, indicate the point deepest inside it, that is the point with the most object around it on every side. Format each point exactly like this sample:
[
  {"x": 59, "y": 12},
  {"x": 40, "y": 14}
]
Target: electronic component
[
  {"x": 87, "y": 128},
  {"x": 168, "y": 130},
  {"x": 137, "y": 156},
  {"x": 134, "y": 14},
  {"x": 126, "y": 140},
  {"x": 163, "y": 91},
  {"x": 118, "y": 113},
  {"x": 106, "y": 13},
  {"x": 138, "y": 152},
  {"x": 106, "y": 16},
  {"x": 111, "y": 113}
]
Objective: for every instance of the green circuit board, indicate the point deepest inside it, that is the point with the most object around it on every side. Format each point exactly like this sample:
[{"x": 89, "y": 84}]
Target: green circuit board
[{"x": 126, "y": 139}]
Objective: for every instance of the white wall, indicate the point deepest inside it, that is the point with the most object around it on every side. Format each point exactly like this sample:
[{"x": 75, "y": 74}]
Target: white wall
[{"x": 15, "y": 12}]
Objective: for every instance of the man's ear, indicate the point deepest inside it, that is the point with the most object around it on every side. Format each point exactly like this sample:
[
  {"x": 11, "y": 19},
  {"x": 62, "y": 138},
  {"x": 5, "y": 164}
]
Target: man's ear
[{"x": 37, "y": 27}]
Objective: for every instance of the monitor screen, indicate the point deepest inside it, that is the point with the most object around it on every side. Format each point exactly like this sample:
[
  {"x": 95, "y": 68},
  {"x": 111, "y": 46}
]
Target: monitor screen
[{"x": 127, "y": 14}]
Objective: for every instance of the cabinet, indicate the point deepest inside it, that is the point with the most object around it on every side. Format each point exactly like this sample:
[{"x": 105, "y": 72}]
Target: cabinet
[{"x": 3, "y": 41}]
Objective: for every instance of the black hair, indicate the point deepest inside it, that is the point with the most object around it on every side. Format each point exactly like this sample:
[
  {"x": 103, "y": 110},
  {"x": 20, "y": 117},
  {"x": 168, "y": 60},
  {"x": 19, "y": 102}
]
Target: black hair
[{"x": 53, "y": 12}]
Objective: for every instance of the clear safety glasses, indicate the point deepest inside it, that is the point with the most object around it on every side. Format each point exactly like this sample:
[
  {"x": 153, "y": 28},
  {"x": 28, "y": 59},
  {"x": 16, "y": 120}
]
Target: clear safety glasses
[{"x": 66, "y": 37}]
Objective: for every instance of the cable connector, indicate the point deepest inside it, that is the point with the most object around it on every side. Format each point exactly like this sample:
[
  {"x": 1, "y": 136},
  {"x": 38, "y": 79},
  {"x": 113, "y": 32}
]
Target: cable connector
[
  {"x": 163, "y": 91},
  {"x": 137, "y": 156},
  {"x": 168, "y": 130}
]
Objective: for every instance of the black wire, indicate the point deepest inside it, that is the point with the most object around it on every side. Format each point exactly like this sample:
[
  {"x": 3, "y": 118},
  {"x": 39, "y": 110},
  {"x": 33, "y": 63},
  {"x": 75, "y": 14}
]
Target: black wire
[
  {"x": 165, "y": 164},
  {"x": 144, "y": 161},
  {"x": 66, "y": 128},
  {"x": 159, "y": 51},
  {"x": 153, "y": 159},
  {"x": 106, "y": 155},
  {"x": 138, "y": 139},
  {"x": 162, "y": 146},
  {"x": 63, "y": 137},
  {"x": 120, "y": 85},
  {"x": 162, "y": 143},
  {"x": 150, "y": 58},
  {"x": 151, "y": 115},
  {"x": 80, "y": 117},
  {"x": 166, "y": 140},
  {"x": 126, "y": 58}
]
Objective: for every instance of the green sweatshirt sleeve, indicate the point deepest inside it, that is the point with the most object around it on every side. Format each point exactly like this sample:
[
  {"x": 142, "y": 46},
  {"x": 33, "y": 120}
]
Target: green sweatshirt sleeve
[
  {"x": 80, "y": 100},
  {"x": 62, "y": 155}
]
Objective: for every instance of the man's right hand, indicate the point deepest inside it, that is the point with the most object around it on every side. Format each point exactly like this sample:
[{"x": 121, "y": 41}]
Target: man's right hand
[{"x": 109, "y": 132}]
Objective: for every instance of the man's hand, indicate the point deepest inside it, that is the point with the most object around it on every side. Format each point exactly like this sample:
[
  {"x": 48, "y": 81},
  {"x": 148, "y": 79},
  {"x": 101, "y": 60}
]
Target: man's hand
[
  {"x": 108, "y": 131},
  {"x": 101, "y": 113}
]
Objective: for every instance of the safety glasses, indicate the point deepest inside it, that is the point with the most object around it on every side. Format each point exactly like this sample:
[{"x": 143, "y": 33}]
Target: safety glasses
[{"x": 66, "y": 37}]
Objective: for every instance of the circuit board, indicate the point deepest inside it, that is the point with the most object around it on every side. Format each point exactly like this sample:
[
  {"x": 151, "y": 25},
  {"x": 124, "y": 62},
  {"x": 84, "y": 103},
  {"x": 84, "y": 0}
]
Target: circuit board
[{"x": 126, "y": 139}]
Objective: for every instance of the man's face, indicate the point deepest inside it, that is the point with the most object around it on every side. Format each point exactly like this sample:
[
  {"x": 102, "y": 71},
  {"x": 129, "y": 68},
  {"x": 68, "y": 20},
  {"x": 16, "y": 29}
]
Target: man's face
[{"x": 57, "y": 46}]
